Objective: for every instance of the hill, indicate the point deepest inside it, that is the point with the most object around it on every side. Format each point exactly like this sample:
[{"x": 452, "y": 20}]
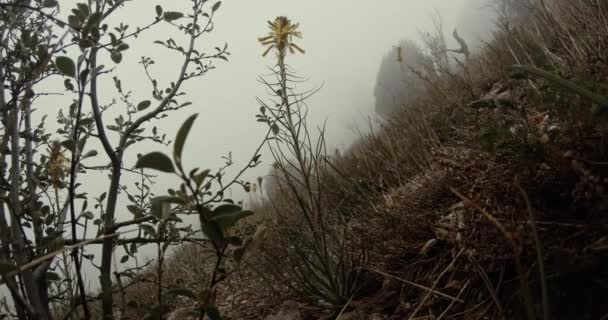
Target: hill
[{"x": 486, "y": 197}]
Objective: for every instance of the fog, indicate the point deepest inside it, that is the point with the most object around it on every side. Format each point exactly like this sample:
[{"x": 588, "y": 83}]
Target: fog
[{"x": 345, "y": 42}]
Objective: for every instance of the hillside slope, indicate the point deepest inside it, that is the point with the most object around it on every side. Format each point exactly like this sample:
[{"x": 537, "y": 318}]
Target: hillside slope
[{"x": 486, "y": 198}]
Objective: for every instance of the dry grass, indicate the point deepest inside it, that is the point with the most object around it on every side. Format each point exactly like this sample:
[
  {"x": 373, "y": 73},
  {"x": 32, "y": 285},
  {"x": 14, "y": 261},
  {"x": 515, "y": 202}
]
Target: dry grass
[
  {"x": 472, "y": 254},
  {"x": 136, "y": 295},
  {"x": 414, "y": 212}
]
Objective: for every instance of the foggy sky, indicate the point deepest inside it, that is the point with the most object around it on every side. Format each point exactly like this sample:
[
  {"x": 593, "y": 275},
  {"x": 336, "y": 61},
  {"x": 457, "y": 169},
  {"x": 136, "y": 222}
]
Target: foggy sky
[{"x": 344, "y": 40}]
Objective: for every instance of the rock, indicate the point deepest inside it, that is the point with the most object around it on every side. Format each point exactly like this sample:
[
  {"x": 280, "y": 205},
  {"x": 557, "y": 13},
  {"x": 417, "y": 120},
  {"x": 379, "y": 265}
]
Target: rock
[
  {"x": 184, "y": 313},
  {"x": 354, "y": 315},
  {"x": 450, "y": 226},
  {"x": 289, "y": 311},
  {"x": 499, "y": 96},
  {"x": 285, "y": 315}
]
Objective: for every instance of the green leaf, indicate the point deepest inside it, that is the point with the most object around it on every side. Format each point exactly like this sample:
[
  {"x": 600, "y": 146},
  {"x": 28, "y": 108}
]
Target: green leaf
[
  {"x": 66, "y": 66},
  {"x": 85, "y": 43},
  {"x": 74, "y": 22},
  {"x": 122, "y": 47},
  {"x": 212, "y": 230},
  {"x": 148, "y": 229},
  {"x": 172, "y": 15},
  {"x": 116, "y": 56},
  {"x": 86, "y": 121},
  {"x": 134, "y": 209},
  {"x": 200, "y": 177},
  {"x": 92, "y": 23},
  {"x": 52, "y": 276},
  {"x": 275, "y": 129},
  {"x": 88, "y": 215},
  {"x": 182, "y": 292},
  {"x": 216, "y": 6},
  {"x": 157, "y": 161},
  {"x": 91, "y": 153},
  {"x": 68, "y": 85},
  {"x": 83, "y": 8},
  {"x": 226, "y": 209},
  {"x": 68, "y": 144},
  {"x": 181, "y": 136},
  {"x": 124, "y": 259},
  {"x": 144, "y": 105},
  {"x": 229, "y": 214},
  {"x": 159, "y": 10}
]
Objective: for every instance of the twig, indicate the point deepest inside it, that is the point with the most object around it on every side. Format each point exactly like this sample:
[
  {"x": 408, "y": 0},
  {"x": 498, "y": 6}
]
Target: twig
[
  {"x": 598, "y": 227},
  {"x": 72, "y": 190},
  {"x": 493, "y": 292},
  {"x": 38, "y": 261},
  {"x": 539, "y": 252},
  {"x": 37, "y": 10},
  {"x": 449, "y": 267},
  {"x": 344, "y": 308},
  {"x": 419, "y": 286},
  {"x": 452, "y": 303},
  {"x": 508, "y": 235},
  {"x": 140, "y": 241},
  {"x": 527, "y": 296}
]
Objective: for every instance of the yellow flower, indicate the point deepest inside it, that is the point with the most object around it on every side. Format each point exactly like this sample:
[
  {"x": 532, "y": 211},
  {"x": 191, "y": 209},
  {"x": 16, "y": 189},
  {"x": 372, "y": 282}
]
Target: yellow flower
[
  {"x": 280, "y": 37},
  {"x": 57, "y": 164},
  {"x": 399, "y": 54}
]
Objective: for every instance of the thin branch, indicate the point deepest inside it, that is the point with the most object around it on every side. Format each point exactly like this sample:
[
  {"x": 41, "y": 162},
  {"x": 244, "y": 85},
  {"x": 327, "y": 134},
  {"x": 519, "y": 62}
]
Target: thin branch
[
  {"x": 539, "y": 251},
  {"x": 448, "y": 268},
  {"x": 419, "y": 286},
  {"x": 72, "y": 190},
  {"x": 36, "y": 262},
  {"x": 57, "y": 21}
]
